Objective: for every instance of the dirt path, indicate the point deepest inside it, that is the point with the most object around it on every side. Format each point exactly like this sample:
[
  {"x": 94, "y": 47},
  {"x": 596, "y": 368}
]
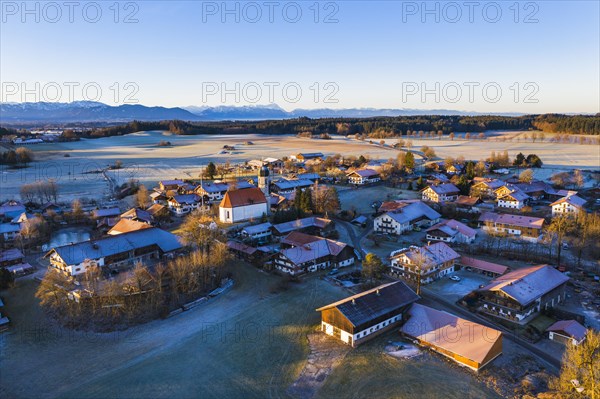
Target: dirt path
[{"x": 326, "y": 354}]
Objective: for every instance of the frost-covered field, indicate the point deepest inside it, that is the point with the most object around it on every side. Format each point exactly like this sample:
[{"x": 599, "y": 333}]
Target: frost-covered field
[{"x": 144, "y": 160}]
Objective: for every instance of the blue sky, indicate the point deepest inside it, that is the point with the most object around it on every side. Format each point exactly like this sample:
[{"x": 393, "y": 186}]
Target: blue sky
[{"x": 388, "y": 54}]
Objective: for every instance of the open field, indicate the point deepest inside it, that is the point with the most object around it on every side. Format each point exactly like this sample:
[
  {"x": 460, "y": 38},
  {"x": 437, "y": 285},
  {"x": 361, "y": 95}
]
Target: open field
[
  {"x": 144, "y": 160},
  {"x": 247, "y": 343}
]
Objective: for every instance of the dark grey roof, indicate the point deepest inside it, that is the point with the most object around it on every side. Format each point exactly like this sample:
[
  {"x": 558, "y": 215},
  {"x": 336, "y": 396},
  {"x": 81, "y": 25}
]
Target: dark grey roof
[
  {"x": 366, "y": 306},
  {"x": 73, "y": 254}
]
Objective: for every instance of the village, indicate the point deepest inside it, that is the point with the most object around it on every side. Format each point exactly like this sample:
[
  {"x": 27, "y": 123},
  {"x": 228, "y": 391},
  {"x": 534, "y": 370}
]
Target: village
[{"x": 456, "y": 257}]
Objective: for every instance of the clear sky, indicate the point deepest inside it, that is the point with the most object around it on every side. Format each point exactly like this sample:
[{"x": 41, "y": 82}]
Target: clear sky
[{"x": 504, "y": 56}]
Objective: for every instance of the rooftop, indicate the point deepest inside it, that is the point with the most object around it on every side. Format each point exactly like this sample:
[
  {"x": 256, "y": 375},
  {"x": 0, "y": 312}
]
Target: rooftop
[
  {"x": 513, "y": 220},
  {"x": 574, "y": 200},
  {"x": 445, "y": 188},
  {"x": 570, "y": 328},
  {"x": 243, "y": 197},
  {"x": 527, "y": 284},
  {"x": 369, "y": 305}
]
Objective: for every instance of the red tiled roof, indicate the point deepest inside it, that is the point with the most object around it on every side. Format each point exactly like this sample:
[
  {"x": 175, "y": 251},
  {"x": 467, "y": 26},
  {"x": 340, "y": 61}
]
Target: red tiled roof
[{"x": 243, "y": 197}]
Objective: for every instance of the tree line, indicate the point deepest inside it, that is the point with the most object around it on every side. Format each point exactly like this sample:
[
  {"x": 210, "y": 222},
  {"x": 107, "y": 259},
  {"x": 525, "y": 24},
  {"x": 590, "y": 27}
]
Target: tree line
[{"x": 376, "y": 127}]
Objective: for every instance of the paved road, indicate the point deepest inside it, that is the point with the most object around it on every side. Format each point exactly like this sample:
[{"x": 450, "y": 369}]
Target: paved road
[
  {"x": 352, "y": 233},
  {"x": 460, "y": 311}
]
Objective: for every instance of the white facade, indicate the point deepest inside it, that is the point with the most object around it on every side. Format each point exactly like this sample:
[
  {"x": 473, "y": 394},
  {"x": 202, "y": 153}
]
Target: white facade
[
  {"x": 564, "y": 208},
  {"x": 387, "y": 225},
  {"x": 359, "y": 180},
  {"x": 242, "y": 213},
  {"x": 351, "y": 339},
  {"x": 508, "y": 202}
]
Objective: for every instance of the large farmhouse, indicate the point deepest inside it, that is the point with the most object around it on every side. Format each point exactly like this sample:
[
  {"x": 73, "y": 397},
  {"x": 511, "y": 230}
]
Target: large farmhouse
[
  {"x": 528, "y": 228},
  {"x": 440, "y": 193},
  {"x": 451, "y": 231},
  {"x": 569, "y": 205},
  {"x": 516, "y": 199},
  {"x": 405, "y": 216},
  {"x": 521, "y": 294},
  {"x": 243, "y": 204},
  {"x": 467, "y": 343},
  {"x": 114, "y": 252},
  {"x": 427, "y": 264},
  {"x": 360, "y": 317},
  {"x": 305, "y": 253},
  {"x": 363, "y": 176}
]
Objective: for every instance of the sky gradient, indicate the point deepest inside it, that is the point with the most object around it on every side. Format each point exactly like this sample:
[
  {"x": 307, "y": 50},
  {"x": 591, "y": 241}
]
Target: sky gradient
[{"x": 360, "y": 54}]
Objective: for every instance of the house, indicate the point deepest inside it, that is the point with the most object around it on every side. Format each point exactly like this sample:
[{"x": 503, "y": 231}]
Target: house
[
  {"x": 311, "y": 225},
  {"x": 51, "y": 208},
  {"x": 569, "y": 205},
  {"x": 524, "y": 227},
  {"x": 114, "y": 252},
  {"x": 158, "y": 198},
  {"x": 520, "y": 295},
  {"x": 356, "y": 319},
  {"x": 407, "y": 216},
  {"x": 214, "y": 192},
  {"x": 446, "y": 192},
  {"x": 168, "y": 185},
  {"x": 126, "y": 226},
  {"x": 104, "y": 213},
  {"x": 516, "y": 199},
  {"x": 467, "y": 204},
  {"x": 258, "y": 232},
  {"x": 363, "y": 176},
  {"x": 243, "y": 204},
  {"x": 482, "y": 266},
  {"x": 455, "y": 169},
  {"x": 273, "y": 163},
  {"x": 182, "y": 204},
  {"x": 536, "y": 189},
  {"x": 303, "y": 157},
  {"x": 451, "y": 231},
  {"x": 11, "y": 257},
  {"x": 158, "y": 212},
  {"x": 285, "y": 186},
  {"x": 425, "y": 264},
  {"x": 314, "y": 177},
  {"x": 11, "y": 209},
  {"x": 139, "y": 215},
  {"x": 567, "y": 332},
  {"x": 485, "y": 188},
  {"x": 469, "y": 344},
  {"x": 246, "y": 252},
  {"x": 9, "y": 231},
  {"x": 305, "y": 254}
]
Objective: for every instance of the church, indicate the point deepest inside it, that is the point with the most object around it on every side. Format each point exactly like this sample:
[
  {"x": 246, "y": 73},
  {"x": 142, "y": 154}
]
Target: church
[{"x": 244, "y": 204}]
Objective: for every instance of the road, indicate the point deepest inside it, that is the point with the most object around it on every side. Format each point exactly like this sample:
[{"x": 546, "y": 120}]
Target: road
[{"x": 352, "y": 233}]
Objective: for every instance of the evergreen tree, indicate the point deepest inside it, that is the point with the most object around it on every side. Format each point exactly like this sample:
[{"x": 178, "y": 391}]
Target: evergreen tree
[{"x": 409, "y": 161}]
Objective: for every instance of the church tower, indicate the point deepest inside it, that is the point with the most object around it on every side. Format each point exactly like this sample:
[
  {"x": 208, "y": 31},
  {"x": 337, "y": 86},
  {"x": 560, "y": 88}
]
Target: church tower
[{"x": 264, "y": 181}]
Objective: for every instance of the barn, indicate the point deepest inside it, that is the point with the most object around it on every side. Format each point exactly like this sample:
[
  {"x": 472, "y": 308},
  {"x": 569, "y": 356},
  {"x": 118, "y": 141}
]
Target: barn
[{"x": 363, "y": 316}]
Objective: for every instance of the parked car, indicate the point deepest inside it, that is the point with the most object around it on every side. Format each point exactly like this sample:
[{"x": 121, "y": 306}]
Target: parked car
[
  {"x": 333, "y": 272},
  {"x": 454, "y": 278}
]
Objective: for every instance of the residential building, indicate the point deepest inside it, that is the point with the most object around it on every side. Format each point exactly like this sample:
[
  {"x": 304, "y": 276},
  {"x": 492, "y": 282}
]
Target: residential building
[
  {"x": 9, "y": 231},
  {"x": 469, "y": 344},
  {"x": 243, "y": 204},
  {"x": 258, "y": 232},
  {"x": 441, "y": 193},
  {"x": 139, "y": 215},
  {"x": 313, "y": 225},
  {"x": 516, "y": 199},
  {"x": 215, "y": 191},
  {"x": 11, "y": 257},
  {"x": 285, "y": 186},
  {"x": 182, "y": 204},
  {"x": 427, "y": 264},
  {"x": 305, "y": 254},
  {"x": 451, "y": 231},
  {"x": 114, "y": 252},
  {"x": 528, "y": 228},
  {"x": 567, "y": 332},
  {"x": 520, "y": 295},
  {"x": 126, "y": 226},
  {"x": 168, "y": 185},
  {"x": 363, "y": 176},
  {"x": 569, "y": 205},
  {"x": 485, "y": 188},
  {"x": 303, "y": 157},
  {"x": 407, "y": 215},
  {"x": 468, "y": 204},
  {"x": 356, "y": 319}
]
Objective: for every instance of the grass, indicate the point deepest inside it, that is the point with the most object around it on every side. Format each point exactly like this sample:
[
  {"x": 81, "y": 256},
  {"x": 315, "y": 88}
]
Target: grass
[
  {"x": 247, "y": 343},
  {"x": 368, "y": 372}
]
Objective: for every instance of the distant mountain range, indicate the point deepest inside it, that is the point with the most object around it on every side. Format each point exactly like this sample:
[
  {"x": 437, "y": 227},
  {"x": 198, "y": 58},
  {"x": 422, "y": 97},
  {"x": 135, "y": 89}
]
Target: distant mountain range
[{"x": 89, "y": 111}]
